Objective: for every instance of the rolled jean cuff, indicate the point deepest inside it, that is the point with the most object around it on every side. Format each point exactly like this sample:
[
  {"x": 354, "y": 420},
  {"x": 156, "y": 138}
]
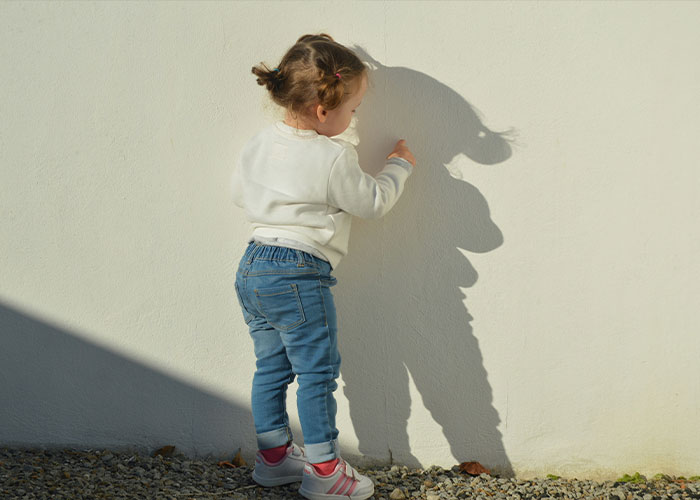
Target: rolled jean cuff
[
  {"x": 273, "y": 439},
  {"x": 321, "y": 452}
]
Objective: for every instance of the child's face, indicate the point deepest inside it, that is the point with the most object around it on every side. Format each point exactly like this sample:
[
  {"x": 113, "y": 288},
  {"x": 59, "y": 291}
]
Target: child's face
[{"x": 334, "y": 122}]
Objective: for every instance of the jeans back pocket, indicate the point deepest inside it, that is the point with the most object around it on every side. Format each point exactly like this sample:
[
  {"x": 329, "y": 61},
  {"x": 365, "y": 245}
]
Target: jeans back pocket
[{"x": 281, "y": 306}]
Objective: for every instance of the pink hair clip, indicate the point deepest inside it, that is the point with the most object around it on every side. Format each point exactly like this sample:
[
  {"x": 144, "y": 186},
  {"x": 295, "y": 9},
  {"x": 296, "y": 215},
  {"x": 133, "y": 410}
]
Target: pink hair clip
[{"x": 338, "y": 75}]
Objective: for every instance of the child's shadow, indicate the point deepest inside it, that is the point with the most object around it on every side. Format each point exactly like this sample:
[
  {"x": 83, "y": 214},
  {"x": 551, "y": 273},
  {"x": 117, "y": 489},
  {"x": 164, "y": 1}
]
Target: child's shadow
[{"x": 400, "y": 306}]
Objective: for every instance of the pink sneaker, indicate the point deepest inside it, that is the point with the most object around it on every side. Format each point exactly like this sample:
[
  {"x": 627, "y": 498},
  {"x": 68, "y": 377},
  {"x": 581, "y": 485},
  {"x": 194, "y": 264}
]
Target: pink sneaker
[
  {"x": 345, "y": 482},
  {"x": 289, "y": 469}
]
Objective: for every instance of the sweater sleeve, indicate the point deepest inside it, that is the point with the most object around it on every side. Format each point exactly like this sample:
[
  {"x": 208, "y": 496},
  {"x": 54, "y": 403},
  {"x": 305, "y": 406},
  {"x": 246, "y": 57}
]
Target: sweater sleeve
[{"x": 358, "y": 193}]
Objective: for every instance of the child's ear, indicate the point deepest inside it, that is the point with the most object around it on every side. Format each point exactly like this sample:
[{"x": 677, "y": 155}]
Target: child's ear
[{"x": 321, "y": 114}]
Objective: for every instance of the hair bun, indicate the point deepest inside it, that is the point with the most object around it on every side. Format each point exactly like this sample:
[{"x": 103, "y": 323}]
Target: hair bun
[{"x": 270, "y": 78}]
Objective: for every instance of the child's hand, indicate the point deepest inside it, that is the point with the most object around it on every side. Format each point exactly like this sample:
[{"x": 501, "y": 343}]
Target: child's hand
[{"x": 402, "y": 151}]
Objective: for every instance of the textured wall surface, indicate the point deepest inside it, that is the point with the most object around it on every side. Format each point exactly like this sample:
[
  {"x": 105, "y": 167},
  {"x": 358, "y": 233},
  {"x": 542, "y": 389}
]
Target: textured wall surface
[{"x": 530, "y": 303}]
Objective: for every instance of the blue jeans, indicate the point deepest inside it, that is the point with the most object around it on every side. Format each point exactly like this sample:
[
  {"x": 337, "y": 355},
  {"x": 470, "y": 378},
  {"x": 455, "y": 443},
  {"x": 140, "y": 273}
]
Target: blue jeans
[{"x": 287, "y": 303}]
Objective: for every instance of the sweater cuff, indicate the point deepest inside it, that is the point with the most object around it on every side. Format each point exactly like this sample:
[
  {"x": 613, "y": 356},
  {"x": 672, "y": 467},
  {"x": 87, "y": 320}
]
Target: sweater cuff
[{"x": 401, "y": 162}]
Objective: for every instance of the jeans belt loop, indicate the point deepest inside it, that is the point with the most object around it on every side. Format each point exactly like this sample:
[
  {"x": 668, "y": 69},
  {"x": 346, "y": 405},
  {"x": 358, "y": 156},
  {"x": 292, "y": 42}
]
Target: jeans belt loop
[{"x": 300, "y": 258}]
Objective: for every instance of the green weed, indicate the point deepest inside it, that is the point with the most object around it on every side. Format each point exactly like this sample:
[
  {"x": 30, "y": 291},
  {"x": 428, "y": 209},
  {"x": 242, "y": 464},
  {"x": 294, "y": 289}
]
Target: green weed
[{"x": 636, "y": 479}]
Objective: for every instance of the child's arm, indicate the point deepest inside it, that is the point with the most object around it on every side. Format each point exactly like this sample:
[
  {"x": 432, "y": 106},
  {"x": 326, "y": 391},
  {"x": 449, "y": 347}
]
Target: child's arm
[{"x": 358, "y": 193}]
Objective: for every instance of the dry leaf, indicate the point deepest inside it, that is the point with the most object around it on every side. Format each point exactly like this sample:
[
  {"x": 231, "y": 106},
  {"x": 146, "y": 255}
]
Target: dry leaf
[
  {"x": 681, "y": 482},
  {"x": 473, "y": 468},
  {"x": 165, "y": 451},
  {"x": 238, "y": 459},
  {"x": 227, "y": 464}
]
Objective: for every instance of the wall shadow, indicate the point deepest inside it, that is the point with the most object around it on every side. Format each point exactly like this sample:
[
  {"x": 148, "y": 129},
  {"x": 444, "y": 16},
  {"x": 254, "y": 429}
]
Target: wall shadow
[
  {"x": 400, "y": 307},
  {"x": 57, "y": 390}
]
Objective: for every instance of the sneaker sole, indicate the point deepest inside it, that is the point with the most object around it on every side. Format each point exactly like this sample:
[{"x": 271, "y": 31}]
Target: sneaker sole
[
  {"x": 323, "y": 496},
  {"x": 277, "y": 481}
]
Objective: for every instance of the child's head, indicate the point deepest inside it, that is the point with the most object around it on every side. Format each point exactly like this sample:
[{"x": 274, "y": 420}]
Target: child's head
[{"x": 319, "y": 82}]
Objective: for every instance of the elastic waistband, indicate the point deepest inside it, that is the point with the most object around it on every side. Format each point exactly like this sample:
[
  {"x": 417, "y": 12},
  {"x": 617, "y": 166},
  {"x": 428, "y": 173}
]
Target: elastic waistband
[
  {"x": 289, "y": 243},
  {"x": 259, "y": 251}
]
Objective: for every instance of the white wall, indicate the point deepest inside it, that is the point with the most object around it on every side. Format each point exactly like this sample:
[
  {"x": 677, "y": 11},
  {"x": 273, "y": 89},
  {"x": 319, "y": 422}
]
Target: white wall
[{"x": 530, "y": 303}]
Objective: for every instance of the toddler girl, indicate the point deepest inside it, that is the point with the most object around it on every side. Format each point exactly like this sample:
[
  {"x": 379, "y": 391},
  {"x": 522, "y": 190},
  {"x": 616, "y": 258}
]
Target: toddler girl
[{"x": 300, "y": 187}]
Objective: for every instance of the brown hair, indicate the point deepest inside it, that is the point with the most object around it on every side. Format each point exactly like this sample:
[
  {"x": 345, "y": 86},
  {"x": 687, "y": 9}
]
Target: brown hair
[{"x": 307, "y": 74}]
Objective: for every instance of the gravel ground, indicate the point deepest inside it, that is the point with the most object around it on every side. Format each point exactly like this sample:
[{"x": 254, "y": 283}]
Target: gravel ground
[{"x": 93, "y": 474}]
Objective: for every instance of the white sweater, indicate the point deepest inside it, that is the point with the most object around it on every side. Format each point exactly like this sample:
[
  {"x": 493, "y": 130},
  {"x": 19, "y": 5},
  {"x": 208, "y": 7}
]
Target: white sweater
[{"x": 299, "y": 186}]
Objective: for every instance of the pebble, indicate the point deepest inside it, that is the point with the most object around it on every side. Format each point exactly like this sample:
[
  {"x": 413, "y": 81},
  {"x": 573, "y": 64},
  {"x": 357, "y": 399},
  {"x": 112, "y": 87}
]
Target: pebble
[
  {"x": 397, "y": 494},
  {"x": 101, "y": 474}
]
